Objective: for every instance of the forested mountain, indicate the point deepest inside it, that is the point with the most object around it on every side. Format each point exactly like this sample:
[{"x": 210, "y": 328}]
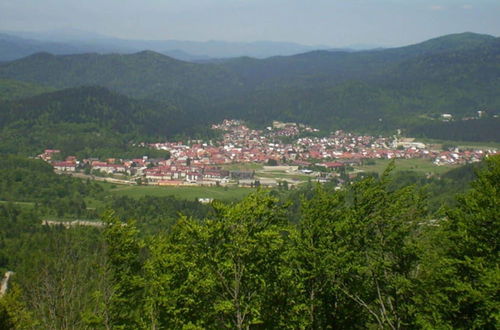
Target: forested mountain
[
  {"x": 86, "y": 119},
  {"x": 13, "y": 89},
  {"x": 377, "y": 90},
  {"x": 317, "y": 67},
  {"x": 12, "y": 47},
  {"x": 145, "y": 75}
]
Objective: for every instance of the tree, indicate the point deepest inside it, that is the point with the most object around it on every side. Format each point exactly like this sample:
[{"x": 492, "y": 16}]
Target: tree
[
  {"x": 377, "y": 255},
  {"x": 272, "y": 162},
  {"x": 244, "y": 246},
  {"x": 221, "y": 272},
  {"x": 463, "y": 272},
  {"x": 14, "y": 313},
  {"x": 313, "y": 264},
  {"x": 126, "y": 267}
]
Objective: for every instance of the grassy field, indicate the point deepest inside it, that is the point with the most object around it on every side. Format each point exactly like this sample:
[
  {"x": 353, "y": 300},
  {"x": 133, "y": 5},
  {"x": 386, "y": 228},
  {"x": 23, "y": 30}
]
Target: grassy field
[
  {"x": 282, "y": 175},
  {"x": 243, "y": 167},
  {"x": 463, "y": 144},
  {"x": 189, "y": 193},
  {"x": 418, "y": 165}
]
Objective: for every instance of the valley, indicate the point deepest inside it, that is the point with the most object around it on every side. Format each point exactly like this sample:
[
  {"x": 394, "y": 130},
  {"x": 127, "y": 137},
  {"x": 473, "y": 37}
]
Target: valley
[{"x": 313, "y": 188}]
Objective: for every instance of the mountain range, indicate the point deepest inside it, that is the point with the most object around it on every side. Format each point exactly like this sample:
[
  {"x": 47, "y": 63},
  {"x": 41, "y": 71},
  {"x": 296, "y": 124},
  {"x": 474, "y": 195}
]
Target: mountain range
[
  {"x": 371, "y": 91},
  {"x": 15, "y": 45}
]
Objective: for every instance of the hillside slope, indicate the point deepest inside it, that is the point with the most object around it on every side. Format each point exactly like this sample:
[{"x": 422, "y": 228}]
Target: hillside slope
[
  {"x": 371, "y": 90},
  {"x": 85, "y": 119},
  {"x": 12, "y": 89}
]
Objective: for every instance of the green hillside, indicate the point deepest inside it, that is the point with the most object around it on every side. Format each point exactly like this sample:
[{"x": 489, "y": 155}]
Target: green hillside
[
  {"x": 88, "y": 120},
  {"x": 378, "y": 90},
  {"x": 12, "y": 89},
  {"x": 144, "y": 75}
]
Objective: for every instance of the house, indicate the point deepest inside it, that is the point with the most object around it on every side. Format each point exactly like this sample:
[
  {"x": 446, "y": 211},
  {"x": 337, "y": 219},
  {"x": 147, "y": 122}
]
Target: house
[
  {"x": 193, "y": 177},
  {"x": 332, "y": 165},
  {"x": 241, "y": 175},
  {"x": 108, "y": 168},
  {"x": 64, "y": 166},
  {"x": 446, "y": 117}
]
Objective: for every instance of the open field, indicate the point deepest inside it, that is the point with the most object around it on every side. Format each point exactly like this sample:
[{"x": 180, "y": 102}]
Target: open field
[
  {"x": 243, "y": 167},
  {"x": 283, "y": 176},
  {"x": 463, "y": 144},
  {"x": 189, "y": 193},
  {"x": 418, "y": 165}
]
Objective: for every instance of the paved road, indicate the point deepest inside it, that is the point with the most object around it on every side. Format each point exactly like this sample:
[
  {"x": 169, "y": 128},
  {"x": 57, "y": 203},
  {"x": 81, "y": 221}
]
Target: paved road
[
  {"x": 74, "y": 223},
  {"x": 97, "y": 178},
  {"x": 5, "y": 283}
]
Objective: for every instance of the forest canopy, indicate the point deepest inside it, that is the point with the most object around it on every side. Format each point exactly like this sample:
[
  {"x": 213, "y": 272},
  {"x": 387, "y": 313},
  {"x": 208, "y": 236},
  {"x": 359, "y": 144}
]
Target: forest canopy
[{"x": 368, "y": 256}]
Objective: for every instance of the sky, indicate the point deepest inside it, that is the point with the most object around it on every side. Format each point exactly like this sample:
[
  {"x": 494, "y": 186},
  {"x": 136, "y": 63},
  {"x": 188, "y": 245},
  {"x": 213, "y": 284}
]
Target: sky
[{"x": 311, "y": 22}]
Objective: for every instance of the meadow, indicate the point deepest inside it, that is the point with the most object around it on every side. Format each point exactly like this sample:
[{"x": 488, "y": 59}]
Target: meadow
[
  {"x": 188, "y": 192},
  {"x": 417, "y": 165}
]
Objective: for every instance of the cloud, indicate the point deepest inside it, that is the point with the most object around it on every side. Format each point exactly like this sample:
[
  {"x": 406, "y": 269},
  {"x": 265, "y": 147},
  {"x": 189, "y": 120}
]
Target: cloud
[
  {"x": 437, "y": 7},
  {"x": 467, "y": 7}
]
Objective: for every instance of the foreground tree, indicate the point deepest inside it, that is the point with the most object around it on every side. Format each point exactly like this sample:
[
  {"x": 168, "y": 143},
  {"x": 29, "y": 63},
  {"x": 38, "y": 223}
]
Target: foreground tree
[
  {"x": 13, "y": 311},
  {"x": 222, "y": 272},
  {"x": 312, "y": 258},
  {"x": 376, "y": 251},
  {"x": 243, "y": 246},
  {"x": 461, "y": 275},
  {"x": 126, "y": 270}
]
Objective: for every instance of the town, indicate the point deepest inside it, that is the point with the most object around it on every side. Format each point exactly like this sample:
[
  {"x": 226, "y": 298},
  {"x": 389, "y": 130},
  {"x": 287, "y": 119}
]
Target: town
[{"x": 295, "y": 151}]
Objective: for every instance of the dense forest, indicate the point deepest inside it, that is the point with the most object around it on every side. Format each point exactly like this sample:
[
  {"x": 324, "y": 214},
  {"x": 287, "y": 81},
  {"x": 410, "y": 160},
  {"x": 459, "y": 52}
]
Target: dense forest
[
  {"x": 372, "y": 255},
  {"x": 90, "y": 122},
  {"x": 370, "y": 91}
]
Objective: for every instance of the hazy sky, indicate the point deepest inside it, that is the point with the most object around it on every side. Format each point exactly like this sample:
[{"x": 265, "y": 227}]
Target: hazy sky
[{"x": 328, "y": 22}]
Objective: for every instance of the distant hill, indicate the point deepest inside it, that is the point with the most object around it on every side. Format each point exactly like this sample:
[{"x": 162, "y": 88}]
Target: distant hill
[
  {"x": 85, "y": 42},
  {"x": 143, "y": 75},
  {"x": 330, "y": 67},
  {"x": 376, "y": 90},
  {"x": 12, "y": 48}
]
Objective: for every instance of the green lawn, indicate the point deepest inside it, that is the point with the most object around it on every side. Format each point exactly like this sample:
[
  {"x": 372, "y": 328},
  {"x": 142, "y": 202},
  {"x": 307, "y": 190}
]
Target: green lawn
[
  {"x": 243, "y": 167},
  {"x": 282, "y": 175},
  {"x": 93, "y": 203},
  {"x": 463, "y": 144},
  {"x": 418, "y": 165},
  {"x": 189, "y": 193}
]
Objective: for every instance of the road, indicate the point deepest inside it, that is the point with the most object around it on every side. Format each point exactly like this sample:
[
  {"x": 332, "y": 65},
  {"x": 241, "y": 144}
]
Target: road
[
  {"x": 97, "y": 178},
  {"x": 5, "y": 283},
  {"x": 74, "y": 223}
]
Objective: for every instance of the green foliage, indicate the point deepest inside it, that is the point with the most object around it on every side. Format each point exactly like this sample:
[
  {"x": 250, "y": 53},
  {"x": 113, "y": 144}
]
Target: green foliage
[
  {"x": 367, "y": 256},
  {"x": 27, "y": 180},
  {"x": 87, "y": 121},
  {"x": 124, "y": 249},
  {"x": 12, "y": 89},
  {"x": 469, "y": 130},
  {"x": 312, "y": 261},
  {"x": 155, "y": 213},
  {"x": 233, "y": 258},
  {"x": 466, "y": 273},
  {"x": 14, "y": 314}
]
